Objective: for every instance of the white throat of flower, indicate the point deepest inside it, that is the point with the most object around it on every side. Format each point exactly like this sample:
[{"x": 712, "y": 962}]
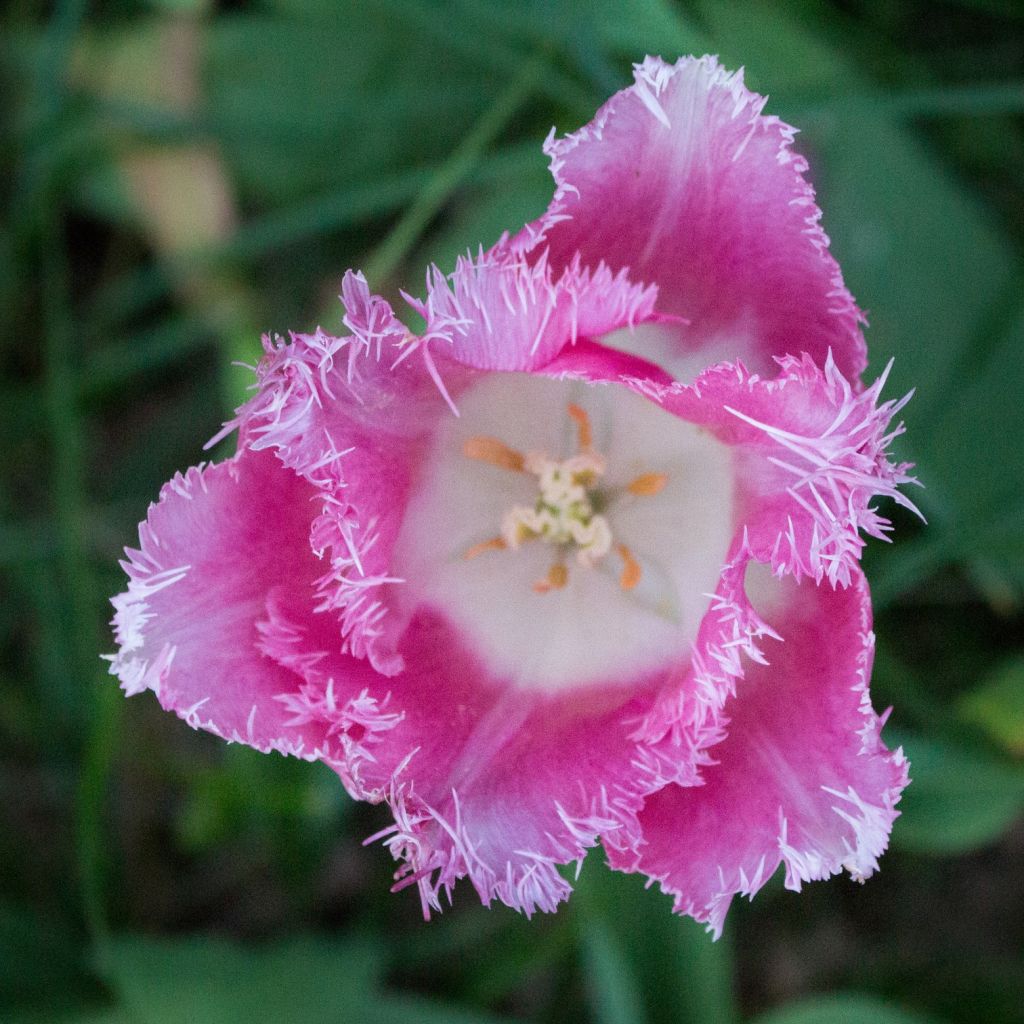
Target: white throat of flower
[{"x": 569, "y": 533}]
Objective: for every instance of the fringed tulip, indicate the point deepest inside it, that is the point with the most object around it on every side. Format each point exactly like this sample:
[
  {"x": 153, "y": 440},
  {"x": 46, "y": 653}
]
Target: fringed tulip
[{"x": 579, "y": 562}]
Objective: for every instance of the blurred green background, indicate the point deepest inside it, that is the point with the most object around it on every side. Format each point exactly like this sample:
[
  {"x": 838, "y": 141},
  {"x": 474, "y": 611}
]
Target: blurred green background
[{"x": 177, "y": 176}]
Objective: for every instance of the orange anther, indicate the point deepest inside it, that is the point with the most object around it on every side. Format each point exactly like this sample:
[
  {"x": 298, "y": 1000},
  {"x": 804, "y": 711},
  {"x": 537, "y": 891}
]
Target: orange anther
[
  {"x": 648, "y": 484},
  {"x": 497, "y": 453},
  {"x": 494, "y": 544},
  {"x": 630, "y": 568},
  {"x": 556, "y": 579},
  {"x": 583, "y": 432}
]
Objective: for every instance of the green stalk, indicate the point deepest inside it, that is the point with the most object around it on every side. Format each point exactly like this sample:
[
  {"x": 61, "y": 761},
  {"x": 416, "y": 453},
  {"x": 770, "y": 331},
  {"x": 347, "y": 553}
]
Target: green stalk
[
  {"x": 68, "y": 488},
  {"x": 436, "y": 192},
  {"x": 68, "y": 481}
]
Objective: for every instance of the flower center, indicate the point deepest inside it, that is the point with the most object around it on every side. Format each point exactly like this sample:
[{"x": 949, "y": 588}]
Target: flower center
[
  {"x": 564, "y": 513},
  {"x": 568, "y": 533}
]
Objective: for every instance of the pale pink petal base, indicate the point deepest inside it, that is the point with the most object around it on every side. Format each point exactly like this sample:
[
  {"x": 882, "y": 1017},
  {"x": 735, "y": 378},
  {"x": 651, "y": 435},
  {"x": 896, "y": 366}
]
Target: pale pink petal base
[{"x": 802, "y": 777}]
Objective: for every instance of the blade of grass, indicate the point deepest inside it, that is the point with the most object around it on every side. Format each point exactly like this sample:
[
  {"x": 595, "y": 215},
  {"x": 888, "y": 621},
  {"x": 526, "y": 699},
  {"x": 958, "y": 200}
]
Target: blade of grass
[
  {"x": 131, "y": 294},
  {"x": 609, "y": 979},
  {"x": 396, "y": 246},
  {"x": 68, "y": 485},
  {"x": 44, "y": 140},
  {"x": 67, "y": 467},
  {"x": 475, "y": 40},
  {"x": 353, "y": 204}
]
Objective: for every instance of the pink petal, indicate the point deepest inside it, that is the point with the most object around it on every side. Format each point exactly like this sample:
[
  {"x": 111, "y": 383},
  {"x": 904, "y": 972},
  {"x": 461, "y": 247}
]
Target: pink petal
[
  {"x": 677, "y": 734},
  {"x": 499, "y": 312},
  {"x": 223, "y": 554},
  {"x": 802, "y": 777},
  {"x": 811, "y": 451},
  {"x": 349, "y": 415},
  {"x": 498, "y": 785},
  {"x": 683, "y": 181}
]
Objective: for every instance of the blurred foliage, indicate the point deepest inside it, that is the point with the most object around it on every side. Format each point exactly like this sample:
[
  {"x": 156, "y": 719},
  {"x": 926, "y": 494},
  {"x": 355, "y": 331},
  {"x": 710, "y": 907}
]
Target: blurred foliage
[{"x": 178, "y": 175}]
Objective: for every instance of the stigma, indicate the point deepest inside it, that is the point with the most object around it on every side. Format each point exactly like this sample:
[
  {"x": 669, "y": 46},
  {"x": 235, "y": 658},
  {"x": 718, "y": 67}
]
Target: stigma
[
  {"x": 563, "y": 514},
  {"x": 566, "y": 512}
]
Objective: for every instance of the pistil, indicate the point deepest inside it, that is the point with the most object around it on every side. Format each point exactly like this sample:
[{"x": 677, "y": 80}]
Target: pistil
[{"x": 565, "y": 511}]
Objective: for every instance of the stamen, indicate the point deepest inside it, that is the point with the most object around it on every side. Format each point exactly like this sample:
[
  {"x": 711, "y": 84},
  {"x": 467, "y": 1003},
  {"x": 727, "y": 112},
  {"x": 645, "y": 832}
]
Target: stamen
[
  {"x": 494, "y": 544},
  {"x": 648, "y": 484},
  {"x": 630, "y": 568},
  {"x": 585, "y": 435},
  {"x": 497, "y": 453},
  {"x": 556, "y": 579},
  {"x": 563, "y": 513}
]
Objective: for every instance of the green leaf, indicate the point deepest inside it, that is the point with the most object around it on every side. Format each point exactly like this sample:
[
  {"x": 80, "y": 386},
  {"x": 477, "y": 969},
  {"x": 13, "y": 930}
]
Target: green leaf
[
  {"x": 931, "y": 266},
  {"x": 997, "y": 706},
  {"x": 647, "y": 26},
  {"x": 959, "y": 799},
  {"x": 377, "y": 104},
  {"x": 92, "y": 1015},
  {"x": 980, "y": 413},
  {"x": 682, "y": 973},
  {"x": 842, "y": 1009},
  {"x": 392, "y": 1009},
  {"x": 609, "y": 978},
  {"x": 978, "y": 502},
  {"x": 40, "y": 956},
  {"x": 301, "y": 981},
  {"x": 344, "y": 119}
]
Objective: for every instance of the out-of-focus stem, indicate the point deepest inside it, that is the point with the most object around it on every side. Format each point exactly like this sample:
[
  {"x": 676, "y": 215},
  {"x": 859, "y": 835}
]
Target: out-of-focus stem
[{"x": 404, "y": 235}]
